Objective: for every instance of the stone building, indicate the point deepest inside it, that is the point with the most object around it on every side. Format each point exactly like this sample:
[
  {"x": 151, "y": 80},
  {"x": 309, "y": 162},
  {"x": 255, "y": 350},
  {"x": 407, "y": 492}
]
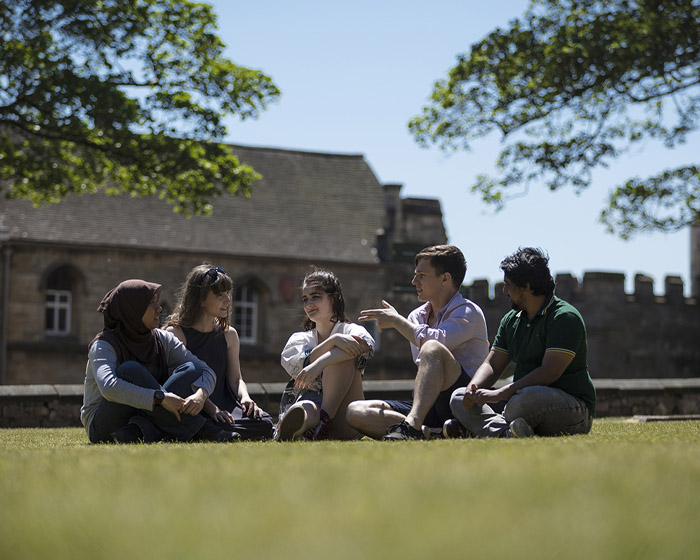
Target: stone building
[{"x": 321, "y": 209}]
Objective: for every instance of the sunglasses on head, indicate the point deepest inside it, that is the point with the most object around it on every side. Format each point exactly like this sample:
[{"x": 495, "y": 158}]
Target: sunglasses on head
[{"x": 213, "y": 273}]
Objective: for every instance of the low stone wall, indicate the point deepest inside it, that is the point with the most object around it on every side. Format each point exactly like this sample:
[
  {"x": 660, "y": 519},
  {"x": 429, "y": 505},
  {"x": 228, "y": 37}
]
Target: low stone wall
[
  {"x": 647, "y": 397},
  {"x": 27, "y": 406}
]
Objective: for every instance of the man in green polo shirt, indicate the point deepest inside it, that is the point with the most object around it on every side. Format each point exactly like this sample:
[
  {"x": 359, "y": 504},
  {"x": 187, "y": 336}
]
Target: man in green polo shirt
[{"x": 551, "y": 393}]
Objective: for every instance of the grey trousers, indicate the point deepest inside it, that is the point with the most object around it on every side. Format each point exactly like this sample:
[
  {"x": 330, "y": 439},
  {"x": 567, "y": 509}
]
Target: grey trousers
[{"x": 550, "y": 412}]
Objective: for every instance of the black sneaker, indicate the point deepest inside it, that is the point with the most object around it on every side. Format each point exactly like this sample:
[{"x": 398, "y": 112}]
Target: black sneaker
[
  {"x": 452, "y": 429},
  {"x": 322, "y": 430},
  {"x": 519, "y": 428},
  {"x": 130, "y": 433},
  {"x": 402, "y": 432},
  {"x": 211, "y": 432}
]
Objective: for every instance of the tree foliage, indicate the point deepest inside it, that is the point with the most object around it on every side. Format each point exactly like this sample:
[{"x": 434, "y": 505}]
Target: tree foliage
[
  {"x": 121, "y": 95},
  {"x": 569, "y": 87}
]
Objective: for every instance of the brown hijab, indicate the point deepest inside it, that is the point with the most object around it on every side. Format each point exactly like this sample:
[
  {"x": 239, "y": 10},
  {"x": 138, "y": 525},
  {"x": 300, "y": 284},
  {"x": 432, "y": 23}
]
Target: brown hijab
[{"x": 123, "y": 309}]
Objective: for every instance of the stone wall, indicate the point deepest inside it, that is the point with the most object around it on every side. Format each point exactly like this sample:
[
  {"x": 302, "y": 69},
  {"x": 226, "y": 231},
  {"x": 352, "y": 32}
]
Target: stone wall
[
  {"x": 30, "y": 406},
  {"x": 40, "y": 406},
  {"x": 630, "y": 336},
  {"x": 636, "y": 335},
  {"x": 648, "y": 397},
  {"x": 34, "y": 357}
]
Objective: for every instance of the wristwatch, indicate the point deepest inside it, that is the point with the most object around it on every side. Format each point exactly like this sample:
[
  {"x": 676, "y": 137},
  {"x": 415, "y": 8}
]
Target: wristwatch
[{"x": 158, "y": 397}]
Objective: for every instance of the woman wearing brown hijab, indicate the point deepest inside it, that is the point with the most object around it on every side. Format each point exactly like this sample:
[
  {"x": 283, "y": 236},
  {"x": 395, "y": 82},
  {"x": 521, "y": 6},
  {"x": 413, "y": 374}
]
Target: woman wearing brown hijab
[{"x": 141, "y": 383}]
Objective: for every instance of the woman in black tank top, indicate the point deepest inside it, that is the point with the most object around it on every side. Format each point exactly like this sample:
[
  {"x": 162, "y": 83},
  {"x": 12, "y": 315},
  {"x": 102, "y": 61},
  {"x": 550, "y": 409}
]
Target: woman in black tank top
[{"x": 201, "y": 320}]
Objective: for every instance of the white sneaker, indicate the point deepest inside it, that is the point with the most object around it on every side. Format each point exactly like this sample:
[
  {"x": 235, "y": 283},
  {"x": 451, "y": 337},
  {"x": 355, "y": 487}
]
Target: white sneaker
[
  {"x": 431, "y": 433},
  {"x": 291, "y": 424},
  {"x": 519, "y": 428}
]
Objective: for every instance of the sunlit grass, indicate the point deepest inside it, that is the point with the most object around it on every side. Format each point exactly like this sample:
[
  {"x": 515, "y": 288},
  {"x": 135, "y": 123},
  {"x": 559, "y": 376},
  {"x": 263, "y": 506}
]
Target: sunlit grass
[{"x": 624, "y": 491}]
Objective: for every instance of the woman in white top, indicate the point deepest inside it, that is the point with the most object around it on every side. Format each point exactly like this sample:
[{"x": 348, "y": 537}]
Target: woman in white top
[{"x": 326, "y": 361}]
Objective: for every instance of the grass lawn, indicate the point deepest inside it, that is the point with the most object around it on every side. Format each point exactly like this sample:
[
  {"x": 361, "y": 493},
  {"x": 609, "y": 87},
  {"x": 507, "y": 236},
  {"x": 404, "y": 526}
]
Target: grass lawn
[{"x": 624, "y": 491}]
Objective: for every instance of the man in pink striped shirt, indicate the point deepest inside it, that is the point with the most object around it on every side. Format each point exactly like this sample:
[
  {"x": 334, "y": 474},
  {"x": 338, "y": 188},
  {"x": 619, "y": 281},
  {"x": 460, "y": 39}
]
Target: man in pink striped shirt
[{"x": 448, "y": 342}]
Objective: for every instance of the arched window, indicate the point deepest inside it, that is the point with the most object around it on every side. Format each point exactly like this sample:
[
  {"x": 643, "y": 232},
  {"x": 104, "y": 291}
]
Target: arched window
[
  {"x": 245, "y": 315},
  {"x": 59, "y": 302}
]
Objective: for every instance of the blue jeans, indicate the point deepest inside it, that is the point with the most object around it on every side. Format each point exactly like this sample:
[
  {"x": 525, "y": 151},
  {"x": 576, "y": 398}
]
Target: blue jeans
[
  {"x": 550, "y": 412},
  {"x": 155, "y": 424}
]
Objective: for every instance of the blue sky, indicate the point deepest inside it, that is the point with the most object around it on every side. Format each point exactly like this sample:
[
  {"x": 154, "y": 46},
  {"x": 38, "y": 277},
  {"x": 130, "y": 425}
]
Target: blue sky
[{"x": 352, "y": 74}]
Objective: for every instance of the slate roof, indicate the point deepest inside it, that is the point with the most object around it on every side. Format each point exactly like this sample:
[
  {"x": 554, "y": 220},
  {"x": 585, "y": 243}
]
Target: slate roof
[{"x": 307, "y": 205}]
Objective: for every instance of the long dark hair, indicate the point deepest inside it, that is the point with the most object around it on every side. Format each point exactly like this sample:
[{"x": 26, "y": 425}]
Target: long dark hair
[
  {"x": 329, "y": 283},
  {"x": 200, "y": 281}
]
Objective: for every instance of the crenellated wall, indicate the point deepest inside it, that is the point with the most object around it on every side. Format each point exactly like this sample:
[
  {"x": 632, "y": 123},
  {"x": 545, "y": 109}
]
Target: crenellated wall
[{"x": 636, "y": 335}]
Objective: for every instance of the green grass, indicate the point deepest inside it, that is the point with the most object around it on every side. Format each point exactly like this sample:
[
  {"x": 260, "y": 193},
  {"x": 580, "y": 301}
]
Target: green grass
[{"x": 624, "y": 491}]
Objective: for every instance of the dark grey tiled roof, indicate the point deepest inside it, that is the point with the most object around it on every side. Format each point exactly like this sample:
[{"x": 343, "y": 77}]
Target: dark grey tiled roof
[{"x": 307, "y": 205}]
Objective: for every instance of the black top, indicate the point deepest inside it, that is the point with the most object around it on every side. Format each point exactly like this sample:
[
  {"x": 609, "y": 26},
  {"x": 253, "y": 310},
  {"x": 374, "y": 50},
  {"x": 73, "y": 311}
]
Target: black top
[{"x": 211, "y": 347}]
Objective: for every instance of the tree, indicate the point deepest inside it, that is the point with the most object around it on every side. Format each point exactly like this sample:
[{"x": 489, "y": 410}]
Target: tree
[
  {"x": 569, "y": 87},
  {"x": 122, "y": 96}
]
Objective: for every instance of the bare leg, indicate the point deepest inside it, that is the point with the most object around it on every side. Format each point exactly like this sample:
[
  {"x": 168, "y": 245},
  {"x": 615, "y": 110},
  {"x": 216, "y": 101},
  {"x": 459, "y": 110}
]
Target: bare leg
[
  {"x": 337, "y": 380},
  {"x": 340, "y": 429},
  {"x": 372, "y": 418},
  {"x": 299, "y": 417},
  {"x": 437, "y": 371},
  {"x": 312, "y": 415}
]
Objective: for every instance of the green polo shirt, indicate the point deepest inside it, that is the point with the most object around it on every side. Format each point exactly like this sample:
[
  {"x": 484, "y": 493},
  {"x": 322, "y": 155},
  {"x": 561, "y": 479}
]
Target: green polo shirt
[{"x": 557, "y": 327}]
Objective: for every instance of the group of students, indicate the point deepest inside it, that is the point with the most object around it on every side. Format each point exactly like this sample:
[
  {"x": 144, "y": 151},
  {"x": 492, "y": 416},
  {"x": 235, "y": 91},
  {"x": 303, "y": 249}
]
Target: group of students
[{"x": 183, "y": 382}]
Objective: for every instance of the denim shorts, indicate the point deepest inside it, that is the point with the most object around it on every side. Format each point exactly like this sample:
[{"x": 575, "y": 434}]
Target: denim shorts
[
  {"x": 292, "y": 395},
  {"x": 440, "y": 411}
]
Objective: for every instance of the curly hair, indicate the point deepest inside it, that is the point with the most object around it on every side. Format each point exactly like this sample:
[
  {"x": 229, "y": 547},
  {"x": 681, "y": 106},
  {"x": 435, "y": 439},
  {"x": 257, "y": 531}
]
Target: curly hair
[
  {"x": 200, "y": 281},
  {"x": 330, "y": 284},
  {"x": 529, "y": 265}
]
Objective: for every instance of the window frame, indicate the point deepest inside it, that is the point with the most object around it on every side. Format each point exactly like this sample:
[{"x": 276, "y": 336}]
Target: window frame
[
  {"x": 247, "y": 306},
  {"x": 58, "y": 306}
]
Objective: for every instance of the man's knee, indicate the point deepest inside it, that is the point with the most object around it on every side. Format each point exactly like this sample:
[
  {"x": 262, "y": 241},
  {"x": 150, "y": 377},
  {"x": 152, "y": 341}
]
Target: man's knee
[
  {"x": 437, "y": 365},
  {"x": 456, "y": 399},
  {"x": 522, "y": 401},
  {"x": 433, "y": 350}
]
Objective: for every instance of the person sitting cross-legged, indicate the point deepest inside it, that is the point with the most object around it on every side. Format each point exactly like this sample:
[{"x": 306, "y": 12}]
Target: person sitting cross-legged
[
  {"x": 448, "y": 342},
  {"x": 552, "y": 392}
]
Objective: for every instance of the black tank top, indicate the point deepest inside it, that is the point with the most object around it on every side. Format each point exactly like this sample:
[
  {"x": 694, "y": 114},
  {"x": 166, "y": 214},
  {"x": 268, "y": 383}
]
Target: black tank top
[{"x": 211, "y": 347}]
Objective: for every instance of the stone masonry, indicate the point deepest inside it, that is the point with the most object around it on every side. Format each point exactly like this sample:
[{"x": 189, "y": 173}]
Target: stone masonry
[{"x": 34, "y": 406}]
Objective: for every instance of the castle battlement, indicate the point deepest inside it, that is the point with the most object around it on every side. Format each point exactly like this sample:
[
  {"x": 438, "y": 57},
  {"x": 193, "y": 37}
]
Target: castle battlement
[
  {"x": 607, "y": 287},
  {"x": 630, "y": 335}
]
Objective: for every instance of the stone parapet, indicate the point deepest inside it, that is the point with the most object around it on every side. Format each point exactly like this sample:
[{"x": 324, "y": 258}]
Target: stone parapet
[
  {"x": 648, "y": 397},
  {"x": 28, "y": 406},
  {"x": 638, "y": 335}
]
